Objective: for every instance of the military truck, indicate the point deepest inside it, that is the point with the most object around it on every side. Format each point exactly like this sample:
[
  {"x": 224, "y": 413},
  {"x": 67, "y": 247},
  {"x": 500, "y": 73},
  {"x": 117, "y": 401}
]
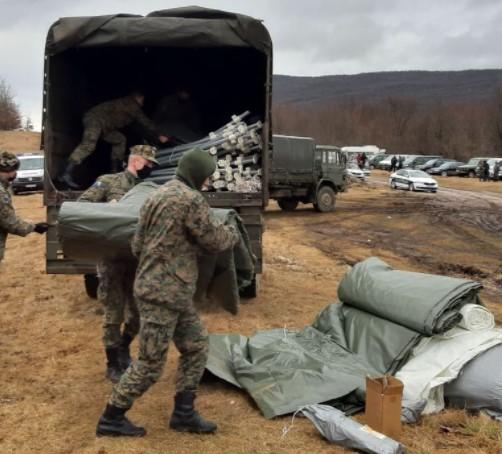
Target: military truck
[
  {"x": 223, "y": 59},
  {"x": 301, "y": 171}
]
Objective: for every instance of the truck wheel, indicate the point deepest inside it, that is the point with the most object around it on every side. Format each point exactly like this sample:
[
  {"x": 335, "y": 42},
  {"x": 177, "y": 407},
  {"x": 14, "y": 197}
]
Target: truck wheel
[
  {"x": 91, "y": 283},
  {"x": 325, "y": 200},
  {"x": 288, "y": 204},
  {"x": 252, "y": 290},
  {"x": 472, "y": 174}
]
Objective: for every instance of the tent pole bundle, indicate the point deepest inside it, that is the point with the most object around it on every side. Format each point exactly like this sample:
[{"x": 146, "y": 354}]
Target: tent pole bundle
[{"x": 236, "y": 148}]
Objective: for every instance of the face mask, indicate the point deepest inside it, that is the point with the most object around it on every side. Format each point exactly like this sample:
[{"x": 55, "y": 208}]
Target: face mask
[
  {"x": 144, "y": 172},
  {"x": 12, "y": 178}
]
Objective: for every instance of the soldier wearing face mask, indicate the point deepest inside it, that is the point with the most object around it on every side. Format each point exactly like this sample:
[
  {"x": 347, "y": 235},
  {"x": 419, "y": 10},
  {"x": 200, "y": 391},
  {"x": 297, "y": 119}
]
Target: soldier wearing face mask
[
  {"x": 116, "y": 277},
  {"x": 9, "y": 222}
]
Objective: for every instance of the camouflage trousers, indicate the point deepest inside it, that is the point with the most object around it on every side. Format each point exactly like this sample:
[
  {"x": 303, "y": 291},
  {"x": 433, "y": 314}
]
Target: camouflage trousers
[
  {"x": 115, "y": 291},
  {"x": 92, "y": 132},
  {"x": 190, "y": 337}
]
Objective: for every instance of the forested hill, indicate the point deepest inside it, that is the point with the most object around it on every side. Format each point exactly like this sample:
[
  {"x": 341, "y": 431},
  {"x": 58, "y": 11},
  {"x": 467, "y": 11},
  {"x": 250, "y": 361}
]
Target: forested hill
[{"x": 425, "y": 86}]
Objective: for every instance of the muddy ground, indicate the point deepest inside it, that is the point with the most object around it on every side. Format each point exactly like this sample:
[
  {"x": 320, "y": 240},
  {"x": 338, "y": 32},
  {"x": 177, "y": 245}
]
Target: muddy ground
[{"x": 53, "y": 387}]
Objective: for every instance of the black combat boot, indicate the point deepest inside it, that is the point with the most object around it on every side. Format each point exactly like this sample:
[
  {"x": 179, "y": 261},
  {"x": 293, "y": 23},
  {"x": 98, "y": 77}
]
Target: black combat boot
[
  {"x": 113, "y": 369},
  {"x": 67, "y": 176},
  {"x": 124, "y": 355},
  {"x": 185, "y": 418},
  {"x": 113, "y": 423}
]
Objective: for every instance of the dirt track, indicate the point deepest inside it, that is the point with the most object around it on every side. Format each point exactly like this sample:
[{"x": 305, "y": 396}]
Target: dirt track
[{"x": 53, "y": 386}]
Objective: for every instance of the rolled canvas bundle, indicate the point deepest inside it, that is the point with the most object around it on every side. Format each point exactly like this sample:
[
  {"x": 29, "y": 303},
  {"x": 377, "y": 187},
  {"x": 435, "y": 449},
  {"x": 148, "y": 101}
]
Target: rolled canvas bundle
[{"x": 95, "y": 231}]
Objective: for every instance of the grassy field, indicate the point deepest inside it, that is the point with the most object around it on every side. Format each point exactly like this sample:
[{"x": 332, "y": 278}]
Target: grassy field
[{"x": 53, "y": 385}]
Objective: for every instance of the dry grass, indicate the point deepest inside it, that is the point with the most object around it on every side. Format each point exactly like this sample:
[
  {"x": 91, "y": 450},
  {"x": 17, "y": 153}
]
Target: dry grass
[
  {"x": 53, "y": 388},
  {"x": 19, "y": 141}
]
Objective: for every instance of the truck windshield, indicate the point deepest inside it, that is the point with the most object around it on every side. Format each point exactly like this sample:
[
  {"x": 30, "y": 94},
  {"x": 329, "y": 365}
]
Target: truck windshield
[{"x": 31, "y": 164}]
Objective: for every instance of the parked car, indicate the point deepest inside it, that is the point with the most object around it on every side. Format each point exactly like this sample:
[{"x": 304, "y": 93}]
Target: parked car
[
  {"x": 491, "y": 165},
  {"x": 414, "y": 161},
  {"x": 354, "y": 171},
  {"x": 469, "y": 169},
  {"x": 446, "y": 169},
  {"x": 413, "y": 180},
  {"x": 385, "y": 164},
  {"x": 30, "y": 175},
  {"x": 431, "y": 163},
  {"x": 373, "y": 162}
]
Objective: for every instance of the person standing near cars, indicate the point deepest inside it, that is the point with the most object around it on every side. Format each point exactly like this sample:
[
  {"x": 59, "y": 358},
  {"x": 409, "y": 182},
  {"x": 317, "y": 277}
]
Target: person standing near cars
[
  {"x": 486, "y": 170},
  {"x": 496, "y": 170},
  {"x": 393, "y": 164},
  {"x": 9, "y": 222},
  {"x": 481, "y": 170},
  {"x": 116, "y": 276},
  {"x": 175, "y": 224}
]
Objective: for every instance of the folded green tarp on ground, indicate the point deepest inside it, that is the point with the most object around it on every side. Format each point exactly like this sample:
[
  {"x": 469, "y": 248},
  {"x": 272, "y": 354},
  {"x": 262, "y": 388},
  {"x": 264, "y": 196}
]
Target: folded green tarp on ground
[
  {"x": 382, "y": 314},
  {"x": 93, "y": 231}
]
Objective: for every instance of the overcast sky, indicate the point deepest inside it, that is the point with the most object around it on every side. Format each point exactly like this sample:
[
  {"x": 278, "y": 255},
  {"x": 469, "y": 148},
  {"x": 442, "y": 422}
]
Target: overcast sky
[{"x": 311, "y": 37}]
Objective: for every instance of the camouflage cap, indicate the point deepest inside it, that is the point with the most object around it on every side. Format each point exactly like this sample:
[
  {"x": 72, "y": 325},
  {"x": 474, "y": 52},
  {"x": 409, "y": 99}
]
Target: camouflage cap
[
  {"x": 8, "y": 161},
  {"x": 145, "y": 151}
]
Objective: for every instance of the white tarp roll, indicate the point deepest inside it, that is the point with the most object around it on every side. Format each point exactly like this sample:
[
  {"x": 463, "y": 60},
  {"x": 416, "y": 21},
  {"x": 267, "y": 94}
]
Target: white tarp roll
[
  {"x": 438, "y": 360},
  {"x": 476, "y": 317}
]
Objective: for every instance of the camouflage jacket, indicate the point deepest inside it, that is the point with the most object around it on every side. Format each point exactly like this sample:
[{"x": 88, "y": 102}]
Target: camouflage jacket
[
  {"x": 119, "y": 113},
  {"x": 9, "y": 222},
  {"x": 174, "y": 224},
  {"x": 109, "y": 187}
]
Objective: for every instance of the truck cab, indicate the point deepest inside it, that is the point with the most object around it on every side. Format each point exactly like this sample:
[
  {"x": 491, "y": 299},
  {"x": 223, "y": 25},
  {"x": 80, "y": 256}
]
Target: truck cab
[{"x": 301, "y": 171}]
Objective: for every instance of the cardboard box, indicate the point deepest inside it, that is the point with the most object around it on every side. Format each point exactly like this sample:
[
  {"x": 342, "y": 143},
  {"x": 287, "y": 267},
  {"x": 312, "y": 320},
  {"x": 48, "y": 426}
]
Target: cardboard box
[{"x": 383, "y": 405}]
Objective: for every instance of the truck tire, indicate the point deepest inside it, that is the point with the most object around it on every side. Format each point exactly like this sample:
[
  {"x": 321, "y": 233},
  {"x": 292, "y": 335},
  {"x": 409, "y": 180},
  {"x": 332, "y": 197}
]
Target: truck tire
[
  {"x": 325, "y": 200},
  {"x": 91, "y": 283},
  {"x": 288, "y": 204},
  {"x": 252, "y": 290}
]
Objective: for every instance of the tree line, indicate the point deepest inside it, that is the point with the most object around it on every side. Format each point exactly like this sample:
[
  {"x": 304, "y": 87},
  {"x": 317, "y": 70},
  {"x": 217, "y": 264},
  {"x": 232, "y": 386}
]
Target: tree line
[
  {"x": 10, "y": 113},
  {"x": 457, "y": 130}
]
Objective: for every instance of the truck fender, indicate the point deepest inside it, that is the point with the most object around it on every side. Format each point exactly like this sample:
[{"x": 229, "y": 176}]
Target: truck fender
[{"x": 324, "y": 183}]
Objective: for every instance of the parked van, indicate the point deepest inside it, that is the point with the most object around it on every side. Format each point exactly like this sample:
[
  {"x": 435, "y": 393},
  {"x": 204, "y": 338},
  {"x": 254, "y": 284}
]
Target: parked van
[{"x": 30, "y": 175}]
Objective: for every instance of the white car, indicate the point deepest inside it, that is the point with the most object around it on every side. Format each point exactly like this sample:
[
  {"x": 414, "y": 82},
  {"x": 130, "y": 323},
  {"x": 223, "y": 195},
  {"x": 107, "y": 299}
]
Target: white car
[
  {"x": 354, "y": 171},
  {"x": 413, "y": 180},
  {"x": 30, "y": 175}
]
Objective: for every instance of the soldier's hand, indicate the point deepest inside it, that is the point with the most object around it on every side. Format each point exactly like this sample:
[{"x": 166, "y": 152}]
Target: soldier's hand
[
  {"x": 41, "y": 227},
  {"x": 163, "y": 139}
]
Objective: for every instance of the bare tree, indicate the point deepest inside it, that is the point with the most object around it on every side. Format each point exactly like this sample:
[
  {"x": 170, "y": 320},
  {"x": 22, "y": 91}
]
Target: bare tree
[
  {"x": 401, "y": 111},
  {"x": 495, "y": 121},
  {"x": 10, "y": 116},
  {"x": 28, "y": 124}
]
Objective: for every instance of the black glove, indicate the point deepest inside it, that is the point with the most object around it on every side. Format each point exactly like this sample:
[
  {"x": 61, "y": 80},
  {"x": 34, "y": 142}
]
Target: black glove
[{"x": 41, "y": 227}]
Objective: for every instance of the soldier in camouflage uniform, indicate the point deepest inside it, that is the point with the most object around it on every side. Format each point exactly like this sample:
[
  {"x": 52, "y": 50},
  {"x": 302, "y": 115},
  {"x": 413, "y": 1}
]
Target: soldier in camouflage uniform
[
  {"x": 104, "y": 121},
  {"x": 9, "y": 222},
  {"x": 496, "y": 170},
  {"x": 175, "y": 223},
  {"x": 116, "y": 277}
]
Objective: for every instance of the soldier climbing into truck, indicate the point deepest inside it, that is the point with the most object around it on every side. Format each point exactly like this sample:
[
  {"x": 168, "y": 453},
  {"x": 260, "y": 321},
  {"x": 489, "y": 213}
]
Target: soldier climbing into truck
[
  {"x": 303, "y": 172},
  {"x": 104, "y": 121}
]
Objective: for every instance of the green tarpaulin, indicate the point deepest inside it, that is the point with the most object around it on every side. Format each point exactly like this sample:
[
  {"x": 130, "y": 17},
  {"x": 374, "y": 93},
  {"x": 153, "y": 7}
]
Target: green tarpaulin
[
  {"x": 93, "y": 231},
  {"x": 381, "y": 315},
  {"x": 191, "y": 26}
]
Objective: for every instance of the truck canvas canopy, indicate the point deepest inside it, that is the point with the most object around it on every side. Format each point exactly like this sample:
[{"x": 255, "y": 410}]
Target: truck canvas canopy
[{"x": 222, "y": 59}]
